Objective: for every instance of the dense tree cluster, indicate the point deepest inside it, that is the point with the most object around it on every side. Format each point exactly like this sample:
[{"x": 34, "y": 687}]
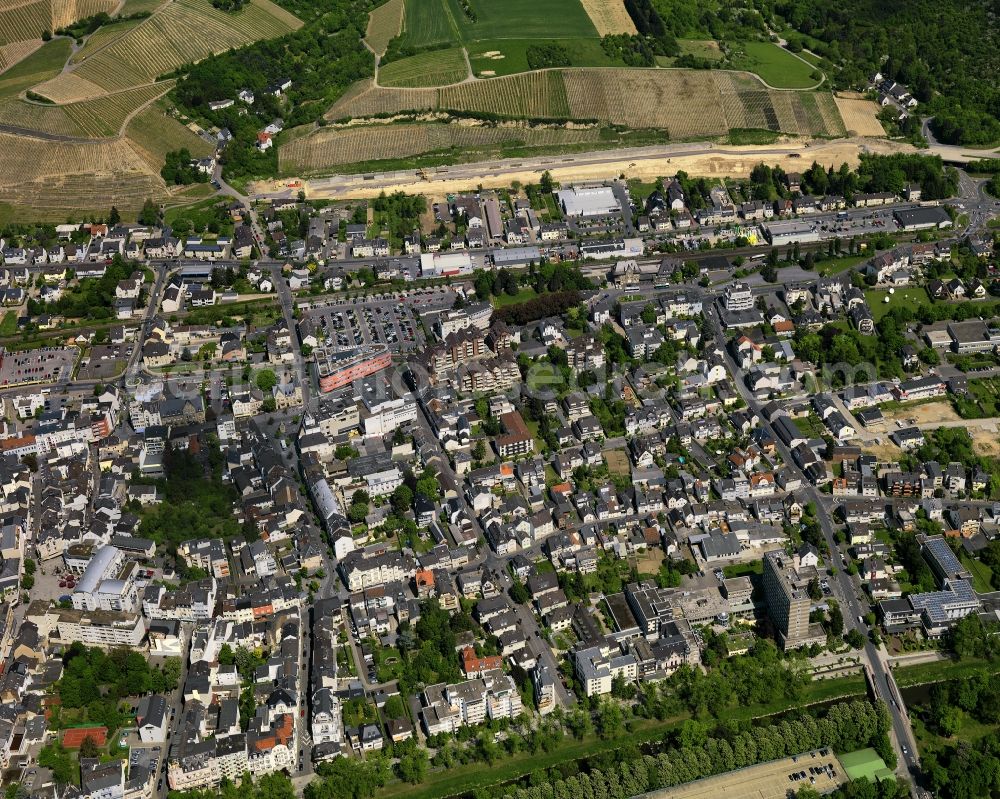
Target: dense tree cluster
[
  {"x": 322, "y": 59},
  {"x": 197, "y": 503},
  {"x": 547, "y": 55},
  {"x": 92, "y": 673},
  {"x": 685, "y": 19},
  {"x": 894, "y": 172},
  {"x": 348, "y": 778},
  {"x": 696, "y": 754},
  {"x": 428, "y": 652},
  {"x": 399, "y": 212},
  {"x": 96, "y": 681},
  {"x": 93, "y": 298},
  {"x": 947, "y": 52},
  {"x": 551, "y": 304},
  {"x": 178, "y": 169},
  {"x": 653, "y": 38},
  {"x": 270, "y": 786}
]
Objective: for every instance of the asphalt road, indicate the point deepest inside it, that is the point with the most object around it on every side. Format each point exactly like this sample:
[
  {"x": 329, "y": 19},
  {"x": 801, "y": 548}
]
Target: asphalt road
[{"x": 844, "y": 587}]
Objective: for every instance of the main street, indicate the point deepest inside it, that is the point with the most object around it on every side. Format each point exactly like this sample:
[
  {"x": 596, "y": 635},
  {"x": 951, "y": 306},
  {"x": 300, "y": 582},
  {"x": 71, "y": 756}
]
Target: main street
[{"x": 845, "y": 589}]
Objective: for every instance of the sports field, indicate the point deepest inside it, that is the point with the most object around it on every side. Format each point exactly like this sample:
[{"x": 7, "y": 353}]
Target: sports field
[{"x": 865, "y": 763}]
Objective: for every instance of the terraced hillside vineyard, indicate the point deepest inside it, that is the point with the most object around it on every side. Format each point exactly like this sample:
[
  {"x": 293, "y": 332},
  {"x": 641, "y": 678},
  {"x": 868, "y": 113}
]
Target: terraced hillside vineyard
[
  {"x": 433, "y": 68},
  {"x": 103, "y": 138},
  {"x": 331, "y": 147},
  {"x": 183, "y": 32},
  {"x": 687, "y": 103}
]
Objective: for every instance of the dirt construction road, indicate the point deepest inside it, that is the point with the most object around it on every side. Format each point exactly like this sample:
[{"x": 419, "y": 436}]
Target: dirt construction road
[{"x": 645, "y": 163}]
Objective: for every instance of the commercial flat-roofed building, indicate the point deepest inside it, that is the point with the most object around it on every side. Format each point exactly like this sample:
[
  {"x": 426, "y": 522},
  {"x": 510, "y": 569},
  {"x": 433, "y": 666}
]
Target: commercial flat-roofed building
[
  {"x": 941, "y": 609},
  {"x": 943, "y": 562},
  {"x": 108, "y": 583},
  {"x": 973, "y": 336},
  {"x": 443, "y": 264},
  {"x": 780, "y": 233},
  {"x": 516, "y": 256},
  {"x": 923, "y": 218},
  {"x": 337, "y": 369},
  {"x": 589, "y": 202}
]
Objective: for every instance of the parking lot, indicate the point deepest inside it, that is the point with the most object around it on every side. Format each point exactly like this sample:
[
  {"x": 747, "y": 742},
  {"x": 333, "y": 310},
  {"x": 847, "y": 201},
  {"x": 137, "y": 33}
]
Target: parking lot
[
  {"x": 386, "y": 320},
  {"x": 103, "y": 362},
  {"x": 775, "y": 780},
  {"x": 45, "y": 365}
]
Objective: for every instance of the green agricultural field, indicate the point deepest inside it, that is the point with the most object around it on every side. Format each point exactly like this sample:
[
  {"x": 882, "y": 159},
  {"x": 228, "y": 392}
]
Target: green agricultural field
[
  {"x": 509, "y": 56},
  {"x": 428, "y": 22},
  {"x": 522, "y": 19},
  {"x": 46, "y": 62},
  {"x": 776, "y": 66},
  {"x": 433, "y": 68}
]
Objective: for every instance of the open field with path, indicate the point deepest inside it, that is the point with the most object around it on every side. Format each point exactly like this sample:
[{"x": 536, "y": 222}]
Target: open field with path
[
  {"x": 860, "y": 115},
  {"x": 609, "y": 16},
  {"x": 384, "y": 23},
  {"x": 776, "y": 66}
]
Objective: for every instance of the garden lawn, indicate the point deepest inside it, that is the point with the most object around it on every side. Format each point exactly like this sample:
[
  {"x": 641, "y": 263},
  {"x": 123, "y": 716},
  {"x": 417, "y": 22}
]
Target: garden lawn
[
  {"x": 938, "y": 671},
  {"x": 908, "y": 297},
  {"x": 776, "y": 66},
  {"x": 523, "y": 295},
  {"x": 982, "y": 575},
  {"x": 834, "y": 266}
]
